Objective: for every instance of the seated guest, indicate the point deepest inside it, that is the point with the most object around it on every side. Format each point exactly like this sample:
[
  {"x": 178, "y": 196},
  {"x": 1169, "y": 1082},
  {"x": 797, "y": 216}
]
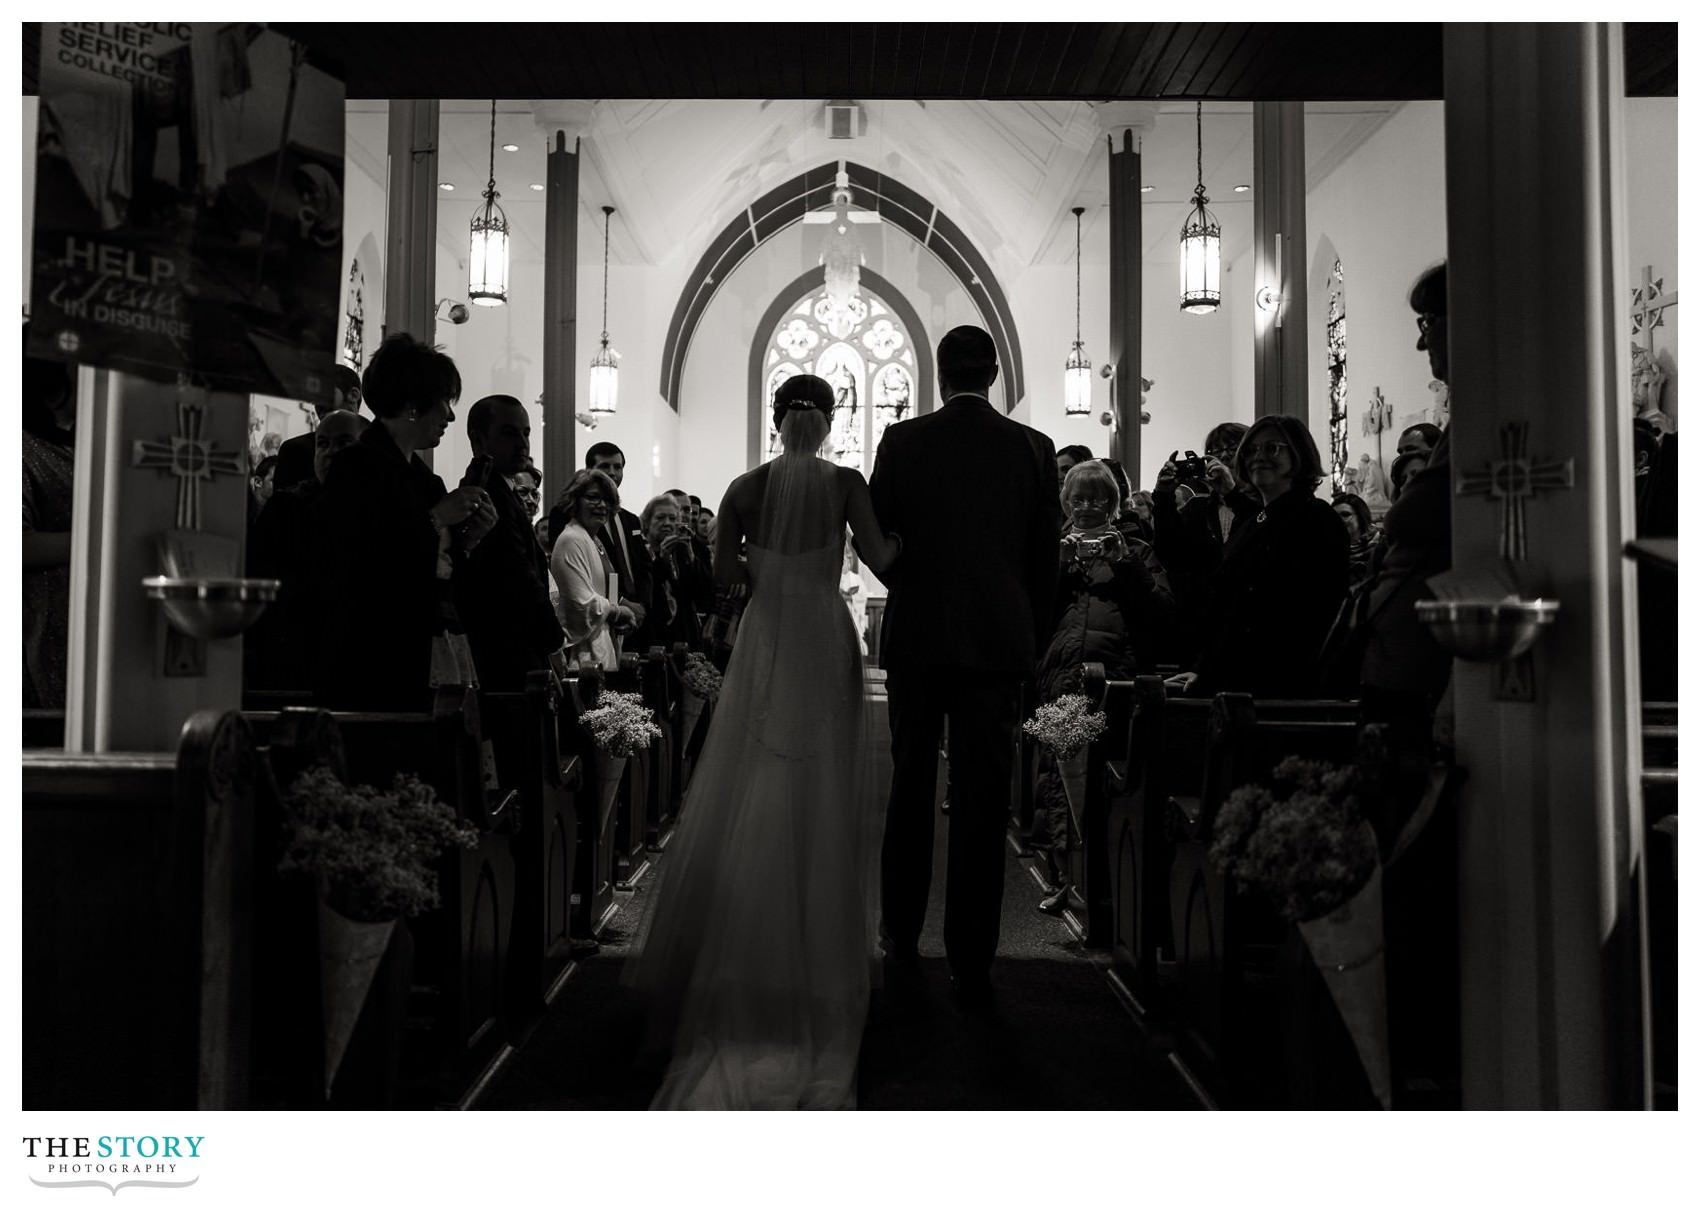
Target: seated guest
[
  {"x": 1189, "y": 532},
  {"x": 387, "y": 533},
  {"x": 277, "y": 650},
  {"x": 1353, "y": 510},
  {"x": 582, "y": 571},
  {"x": 1282, "y": 576},
  {"x": 671, "y": 618},
  {"x": 502, "y": 587},
  {"x": 1109, "y": 609},
  {"x": 295, "y": 457}
]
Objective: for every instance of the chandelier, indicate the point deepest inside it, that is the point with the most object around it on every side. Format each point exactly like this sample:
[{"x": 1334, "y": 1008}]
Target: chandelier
[
  {"x": 1201, "y": 246},
  {"x": 605, "y": 366},
  {"x": 487, "y": 267},
  {"x": 1077, "y": 371}
]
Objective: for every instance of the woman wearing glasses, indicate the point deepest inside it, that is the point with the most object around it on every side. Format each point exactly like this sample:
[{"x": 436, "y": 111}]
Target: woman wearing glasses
[
  {"x": 590, "y": 615},
  {"x": 1283, "y": 573}
]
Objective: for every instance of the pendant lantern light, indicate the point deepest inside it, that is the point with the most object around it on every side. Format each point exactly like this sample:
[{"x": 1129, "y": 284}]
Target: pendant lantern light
[
  {"x": 1077, "y": 371},
  {"x": 487, "y": 266},
  {"x": 605, "y": 366},
  {"x": 1201, "y": 246}
]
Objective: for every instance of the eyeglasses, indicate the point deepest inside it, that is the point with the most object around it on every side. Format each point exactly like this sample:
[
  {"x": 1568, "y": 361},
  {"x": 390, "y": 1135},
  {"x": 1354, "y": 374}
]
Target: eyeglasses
[
  {"x": 1266, "y": 448},
  {"x": 1427, "y": 322},
  {"x": 594, "y": 500}
]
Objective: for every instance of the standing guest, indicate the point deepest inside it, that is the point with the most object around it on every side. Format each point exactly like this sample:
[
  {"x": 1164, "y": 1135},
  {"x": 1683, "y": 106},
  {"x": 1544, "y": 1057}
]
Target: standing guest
[
  {"x": 49, "y": 415},
  {"x": 1420, "y": 438},
  {"x": 1404, "y": 671},
  {"x": 581, "y": 567},
  {"x": 1353, "y": 510},
  {"x": 1067, "y": 457},
  {"x": 502, "y": 587},
  {"x": 262, "y": 484},
  {"x": 623, "y": 535},
  {"x": 277, "y": 651},
  {"x": 670, "y": 618},
  {"x": 1110, "y": 610},
  {"x": 1191, "y": 530},
  {"x": 527, "y": 484},
  {"x": 295, "y": 457},
  {"x": 706, "y": 598},
  {"x": 1404, "y": 467},
  {"x": 388, "y": 533},
  {"x": 1282, "y": 576},
  {"x": 705, "y": 526}
]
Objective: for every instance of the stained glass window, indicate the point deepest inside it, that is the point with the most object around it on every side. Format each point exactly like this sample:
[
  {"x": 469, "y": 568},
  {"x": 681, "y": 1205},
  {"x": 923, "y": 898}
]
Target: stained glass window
[
  {"x": 867, "y": 355},
  {"x": 1339, "y": 458}
]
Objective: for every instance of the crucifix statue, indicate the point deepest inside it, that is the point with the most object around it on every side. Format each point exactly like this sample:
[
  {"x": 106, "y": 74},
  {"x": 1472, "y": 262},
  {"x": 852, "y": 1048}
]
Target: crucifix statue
[
  {"x": 190, "y": 457},
  {"x": 1512, "y": 481}
]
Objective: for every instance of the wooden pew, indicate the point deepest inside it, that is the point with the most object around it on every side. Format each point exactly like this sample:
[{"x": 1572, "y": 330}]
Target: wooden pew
[
  {"x": 592, "y": 896},
  {"x": 1090, "y": 878},
  {"x": 1659, "y": 797},
  {"x": 1164, "y": 757},
  {"x": 637, "y": 804},
  {"x": 1230, "y": 950},
  {"x": 44, "y": 728},
  {"x": 460, "y": 957},
  {"x": 137, "y": 921},
  {"x": 526, "y": 730}
]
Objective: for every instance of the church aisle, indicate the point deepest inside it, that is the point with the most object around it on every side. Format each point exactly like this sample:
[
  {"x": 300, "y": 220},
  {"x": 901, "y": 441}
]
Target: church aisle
[{"x": 1057, "y": 1038}]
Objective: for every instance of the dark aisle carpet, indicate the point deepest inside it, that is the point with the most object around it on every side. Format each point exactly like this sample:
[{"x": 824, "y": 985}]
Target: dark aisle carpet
[{"x": 1055, "y": 1038}]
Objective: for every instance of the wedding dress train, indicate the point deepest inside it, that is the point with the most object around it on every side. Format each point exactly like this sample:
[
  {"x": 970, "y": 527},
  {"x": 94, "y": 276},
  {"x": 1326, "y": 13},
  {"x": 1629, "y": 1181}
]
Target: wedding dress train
[{"x": 760, "y": 952}]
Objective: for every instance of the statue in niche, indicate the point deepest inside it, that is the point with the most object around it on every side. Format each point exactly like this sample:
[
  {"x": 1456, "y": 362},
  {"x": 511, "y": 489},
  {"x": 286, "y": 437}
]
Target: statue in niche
[{"x": 1646, "y": 390}]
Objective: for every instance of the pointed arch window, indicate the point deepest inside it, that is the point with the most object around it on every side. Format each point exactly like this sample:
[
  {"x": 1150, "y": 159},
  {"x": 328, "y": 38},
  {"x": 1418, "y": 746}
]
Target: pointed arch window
[
  {"x": 1339, "y": 457},
  {"x": 868, "y": 355}
]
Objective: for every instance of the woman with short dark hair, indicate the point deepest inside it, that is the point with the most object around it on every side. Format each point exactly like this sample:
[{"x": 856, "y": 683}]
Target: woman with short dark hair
[{"x": 388, "y": 532}]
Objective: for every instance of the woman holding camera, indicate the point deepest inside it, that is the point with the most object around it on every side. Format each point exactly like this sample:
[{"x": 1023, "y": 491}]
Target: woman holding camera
[
  {"x": 1282, "y": 576},
  {"x": 1112, "y": 608}
]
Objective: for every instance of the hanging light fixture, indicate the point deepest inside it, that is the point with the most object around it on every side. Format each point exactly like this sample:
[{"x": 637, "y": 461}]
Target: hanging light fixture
[
  {"x": 1201, "y": 246},
  {"x": 605, "y": 366},
  {"x": 487, "y": 267},
  {"x": 1077, "y": 371}
]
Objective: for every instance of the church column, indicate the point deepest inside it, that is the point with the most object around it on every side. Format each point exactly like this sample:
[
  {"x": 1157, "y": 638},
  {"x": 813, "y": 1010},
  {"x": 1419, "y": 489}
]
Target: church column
[
  {"x": 1551, "y": 948},
  {"x": 1278, "y": 238},
  {"x": 1126, "y": 123},
  {"x": 410, "y": 267},
  {"x": 560, "y": 316}
]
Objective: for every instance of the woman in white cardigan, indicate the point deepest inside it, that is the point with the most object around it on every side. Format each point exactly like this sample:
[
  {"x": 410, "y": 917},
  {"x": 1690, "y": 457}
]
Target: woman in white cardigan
[{"x": 589, "y": 616}]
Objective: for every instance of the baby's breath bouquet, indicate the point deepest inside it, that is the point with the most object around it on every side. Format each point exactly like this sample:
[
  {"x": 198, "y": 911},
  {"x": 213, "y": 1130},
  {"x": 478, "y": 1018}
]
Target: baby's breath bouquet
[
  {"x": 700, "y": 677},
  {"x": 1302, "y": 843},
  {"x": 620, "y": 723},
  {"x": 374, "y": 853},
  {"x": 1065, "y": 725}
]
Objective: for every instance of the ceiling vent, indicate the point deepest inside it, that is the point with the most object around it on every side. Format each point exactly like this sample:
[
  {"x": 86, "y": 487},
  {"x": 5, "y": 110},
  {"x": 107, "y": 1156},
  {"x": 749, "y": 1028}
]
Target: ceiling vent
[{"x": 845, "y": 120}]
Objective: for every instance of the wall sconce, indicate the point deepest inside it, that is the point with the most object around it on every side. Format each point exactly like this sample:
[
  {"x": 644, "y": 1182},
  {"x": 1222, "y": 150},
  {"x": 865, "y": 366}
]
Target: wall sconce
[{"x": 1269, "y": 298}]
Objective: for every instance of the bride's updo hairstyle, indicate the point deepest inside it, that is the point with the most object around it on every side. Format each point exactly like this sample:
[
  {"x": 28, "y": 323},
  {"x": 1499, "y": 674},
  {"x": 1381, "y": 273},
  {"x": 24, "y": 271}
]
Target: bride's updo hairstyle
[{"x": 802, "y": 412}]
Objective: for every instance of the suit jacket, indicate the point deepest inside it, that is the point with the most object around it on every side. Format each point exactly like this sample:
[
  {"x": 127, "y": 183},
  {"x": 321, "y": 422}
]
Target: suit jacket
[
  {"x": 381, "y": 600},
  {"x": 635, "y": 579},
  {"x": 502, "y": 596},
  {"x": 974, "y": 497},
  {"x": 294, "y": 462}
]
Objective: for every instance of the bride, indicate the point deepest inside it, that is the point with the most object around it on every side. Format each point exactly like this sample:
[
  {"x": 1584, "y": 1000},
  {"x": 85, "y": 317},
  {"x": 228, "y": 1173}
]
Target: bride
[{"x": 762, "y": 943}]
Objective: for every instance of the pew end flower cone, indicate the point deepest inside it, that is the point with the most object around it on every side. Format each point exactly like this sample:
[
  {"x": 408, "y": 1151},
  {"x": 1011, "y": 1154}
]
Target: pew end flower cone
[
  {"x": 349, "y": 955},
  {"x": 1347, "y": 948}
]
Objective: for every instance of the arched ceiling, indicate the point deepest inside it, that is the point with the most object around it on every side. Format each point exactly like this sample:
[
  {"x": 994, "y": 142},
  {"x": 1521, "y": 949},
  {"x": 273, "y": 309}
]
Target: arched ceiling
[{"x": 677, "y": 171}]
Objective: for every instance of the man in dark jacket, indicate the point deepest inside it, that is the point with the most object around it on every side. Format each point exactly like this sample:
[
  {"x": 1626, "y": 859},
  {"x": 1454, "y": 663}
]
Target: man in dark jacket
[
  {"x": 970, "y": 603},
  {"x": 502, "y": 585}
]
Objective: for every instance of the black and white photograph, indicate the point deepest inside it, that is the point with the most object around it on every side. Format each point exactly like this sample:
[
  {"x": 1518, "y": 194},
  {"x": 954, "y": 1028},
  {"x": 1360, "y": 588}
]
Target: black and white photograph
[{"x": 1081, "y": 570}]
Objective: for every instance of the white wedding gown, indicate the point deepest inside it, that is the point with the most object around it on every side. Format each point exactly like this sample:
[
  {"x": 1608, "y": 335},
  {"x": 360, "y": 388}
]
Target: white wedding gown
[{"x": 760, "y": 952}]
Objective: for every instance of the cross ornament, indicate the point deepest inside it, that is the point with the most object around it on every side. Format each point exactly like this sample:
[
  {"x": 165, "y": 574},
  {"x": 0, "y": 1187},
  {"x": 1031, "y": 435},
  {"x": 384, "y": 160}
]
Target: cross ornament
[
  {"x": 1512, "y": 481},
  {"x": 1648, "y": 302},
  {"x": 188, "y": 456}
]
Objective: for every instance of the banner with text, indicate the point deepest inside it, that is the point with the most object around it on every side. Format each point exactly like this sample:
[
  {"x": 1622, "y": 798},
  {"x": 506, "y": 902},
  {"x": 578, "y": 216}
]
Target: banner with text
[{"x": 188, "y": 211}]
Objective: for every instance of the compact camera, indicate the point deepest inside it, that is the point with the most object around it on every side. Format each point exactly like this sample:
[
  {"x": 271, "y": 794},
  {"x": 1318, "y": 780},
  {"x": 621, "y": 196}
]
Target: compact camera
[
  {"x": 1193, "y": 471},
  {"x": 1091, "y": 548}
]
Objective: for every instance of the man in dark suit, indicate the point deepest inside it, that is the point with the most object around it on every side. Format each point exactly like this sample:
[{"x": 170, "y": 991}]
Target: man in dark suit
[
  {"x": 502, "y": 584},
  {"x": 295, "y": 457},
  {"x": 974, "y": 496}
]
